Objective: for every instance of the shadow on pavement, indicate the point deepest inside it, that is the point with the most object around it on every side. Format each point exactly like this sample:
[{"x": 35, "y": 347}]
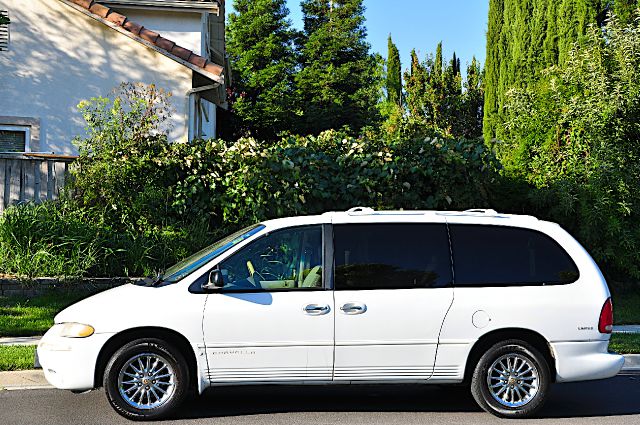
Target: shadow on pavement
[{"x": 611, "y": 397}]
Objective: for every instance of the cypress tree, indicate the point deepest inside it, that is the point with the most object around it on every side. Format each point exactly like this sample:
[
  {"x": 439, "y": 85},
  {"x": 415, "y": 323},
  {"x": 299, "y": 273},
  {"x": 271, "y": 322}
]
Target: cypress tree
[
  {"x": 415, "y": 84},
  {"x": 394, "y": 74},
  {"x": 261, "y": 53},
  {"x": 495, "y": 57},
  {"x": 523, "y": 38},
  {"x": 338, "y": 80}
]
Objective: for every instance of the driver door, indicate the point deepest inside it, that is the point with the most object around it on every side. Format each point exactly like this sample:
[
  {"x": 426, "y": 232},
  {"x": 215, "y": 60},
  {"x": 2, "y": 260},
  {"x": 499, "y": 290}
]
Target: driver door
[{"x": 273, "y": 319}]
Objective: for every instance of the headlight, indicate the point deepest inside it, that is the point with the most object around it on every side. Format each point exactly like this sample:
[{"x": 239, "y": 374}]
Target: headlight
[{"x": 73, "y": 330}]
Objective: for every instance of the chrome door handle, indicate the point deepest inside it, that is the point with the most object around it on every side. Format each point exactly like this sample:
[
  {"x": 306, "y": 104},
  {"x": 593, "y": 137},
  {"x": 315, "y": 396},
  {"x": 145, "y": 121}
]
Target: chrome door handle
[
  {"x": 353, "y": 308},
  {"x": 317, "y": 309}
]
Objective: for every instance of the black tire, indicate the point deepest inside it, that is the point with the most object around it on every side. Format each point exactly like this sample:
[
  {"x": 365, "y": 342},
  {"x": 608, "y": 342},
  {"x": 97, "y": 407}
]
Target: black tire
[
  {"x": 521, "y": 407},
  {"x": 133, "y": 350}
]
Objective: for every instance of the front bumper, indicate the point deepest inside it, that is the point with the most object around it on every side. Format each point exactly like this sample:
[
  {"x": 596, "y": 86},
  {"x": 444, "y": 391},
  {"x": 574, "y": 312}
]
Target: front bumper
[
  {"x": 585, "y": 361},
  {"x": 69, "y": 363}
]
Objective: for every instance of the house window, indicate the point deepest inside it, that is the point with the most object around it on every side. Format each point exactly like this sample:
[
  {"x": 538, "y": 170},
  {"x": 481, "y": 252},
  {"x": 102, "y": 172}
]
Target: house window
[
  {"x": 4, "y": 30},
  {"x": 14, "y": 138}
]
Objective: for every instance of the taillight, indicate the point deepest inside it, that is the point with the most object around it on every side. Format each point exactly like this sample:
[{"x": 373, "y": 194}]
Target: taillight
[{"x": 605, "y": 324}]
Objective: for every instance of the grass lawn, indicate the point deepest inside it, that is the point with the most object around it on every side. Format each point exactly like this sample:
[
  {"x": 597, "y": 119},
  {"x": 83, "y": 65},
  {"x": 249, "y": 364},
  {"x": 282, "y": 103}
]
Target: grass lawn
[
  {"x": 625, "y": 343},
  {"x": 29, "y": 316},
  {"x": 626, "y": 308},
  {"x": 16, "y": 357}
]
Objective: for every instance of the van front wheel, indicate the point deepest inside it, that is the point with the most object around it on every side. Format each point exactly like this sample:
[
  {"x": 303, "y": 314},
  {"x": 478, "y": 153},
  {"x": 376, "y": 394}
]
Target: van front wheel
[
  {"x": 511, "y": 380},
  {"x": 146, "y": 379}
]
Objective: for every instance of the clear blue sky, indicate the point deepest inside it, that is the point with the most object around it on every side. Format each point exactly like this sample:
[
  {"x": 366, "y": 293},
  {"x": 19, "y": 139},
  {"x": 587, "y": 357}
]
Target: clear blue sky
[{"x": 461, "y": 25}]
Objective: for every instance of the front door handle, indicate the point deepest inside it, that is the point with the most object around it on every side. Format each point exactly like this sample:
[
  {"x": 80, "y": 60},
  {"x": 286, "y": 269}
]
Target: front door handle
[
  {"x": 317, "y": 309},
  {"x": 353, "y": 308}
]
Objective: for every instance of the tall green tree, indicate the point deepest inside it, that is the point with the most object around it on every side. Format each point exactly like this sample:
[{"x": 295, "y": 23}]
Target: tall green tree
[
  {"x": 394, "y": 74},
  {"x": 524, "y": 37},
  {"x": 260, "y": 44},
  {"x": 339, "y": 82}
]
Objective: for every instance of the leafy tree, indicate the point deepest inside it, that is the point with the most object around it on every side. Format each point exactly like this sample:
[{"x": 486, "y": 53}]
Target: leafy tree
[
  {"x": 394, "y": 74},
  {"x": 339, "y": 82},
  {"x": 260, "y": 44},
  {"x": 4, "y": 20}
]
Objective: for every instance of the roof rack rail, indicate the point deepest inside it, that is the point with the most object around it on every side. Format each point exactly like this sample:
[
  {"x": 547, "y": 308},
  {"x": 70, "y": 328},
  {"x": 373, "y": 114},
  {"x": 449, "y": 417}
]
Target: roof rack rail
[
  {"x": 360, "y": 210},
  {"x": 482, "y": 211}
]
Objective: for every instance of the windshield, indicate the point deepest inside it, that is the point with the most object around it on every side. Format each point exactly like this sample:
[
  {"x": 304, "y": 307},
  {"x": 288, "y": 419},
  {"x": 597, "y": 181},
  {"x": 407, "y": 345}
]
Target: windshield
[{"x": 200, "y": 258}]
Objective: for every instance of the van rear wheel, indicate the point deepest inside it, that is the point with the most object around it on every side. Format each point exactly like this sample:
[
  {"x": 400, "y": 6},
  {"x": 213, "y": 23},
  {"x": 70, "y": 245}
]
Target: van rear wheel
[
  {"x": 146, "y": 379},
  {"x": 511, "y": 380}
]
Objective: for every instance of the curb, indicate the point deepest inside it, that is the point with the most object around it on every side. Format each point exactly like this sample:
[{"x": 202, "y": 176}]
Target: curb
[{"x": 24, "y": 380}]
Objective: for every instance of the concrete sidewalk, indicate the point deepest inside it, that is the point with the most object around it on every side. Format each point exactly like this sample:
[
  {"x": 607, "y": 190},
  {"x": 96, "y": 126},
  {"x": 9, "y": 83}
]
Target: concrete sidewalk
[
  {"x": 23, "y": 380},
  {"x": 20, "y": 340}
]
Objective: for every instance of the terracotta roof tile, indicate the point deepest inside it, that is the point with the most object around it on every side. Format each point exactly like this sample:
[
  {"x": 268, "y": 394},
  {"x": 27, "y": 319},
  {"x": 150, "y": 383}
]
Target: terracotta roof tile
[
  {"x": 198, "y": 61},
  {"x": 181, "y": 52},
  {"x": 100, "y": 10},
  {"x": 213, "y": 68},
  {"x": 149, "y": 36},
  {"x": 165, "y": 44},
  {"x": 116, "y": 18},
  {"x": 132, "y": 27},
  {"x": 84, "y": 3}
]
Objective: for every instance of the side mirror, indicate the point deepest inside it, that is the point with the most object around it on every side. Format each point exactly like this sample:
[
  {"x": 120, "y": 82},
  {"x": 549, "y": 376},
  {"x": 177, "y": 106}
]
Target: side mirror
[{"x": 215, "y": 281}]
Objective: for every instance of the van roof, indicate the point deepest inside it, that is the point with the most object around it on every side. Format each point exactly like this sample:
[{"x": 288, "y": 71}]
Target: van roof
[{"x": 366, "y": 214}]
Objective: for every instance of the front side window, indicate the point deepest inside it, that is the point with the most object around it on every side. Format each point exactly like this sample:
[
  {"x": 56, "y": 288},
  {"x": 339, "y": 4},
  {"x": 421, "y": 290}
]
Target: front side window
[
  {"x": 391, "y": 256},
  {"x": 508, "y": 256},
  {"x": 285, "y": 259}
]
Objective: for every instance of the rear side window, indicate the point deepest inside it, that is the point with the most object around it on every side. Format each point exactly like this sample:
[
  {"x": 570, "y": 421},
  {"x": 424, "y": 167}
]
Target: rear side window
[
  {"x": 506, "y": 256},
  {"x": 391, "y": 256}
]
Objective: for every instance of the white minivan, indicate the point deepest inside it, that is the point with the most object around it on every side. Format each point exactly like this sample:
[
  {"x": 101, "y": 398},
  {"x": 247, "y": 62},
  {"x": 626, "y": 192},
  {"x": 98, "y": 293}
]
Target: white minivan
[{"x": 507, "y": 304}]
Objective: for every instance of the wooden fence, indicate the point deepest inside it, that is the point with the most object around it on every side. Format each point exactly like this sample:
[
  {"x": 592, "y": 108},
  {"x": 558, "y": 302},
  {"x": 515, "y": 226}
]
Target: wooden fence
[{"x": 32, "y": 177}]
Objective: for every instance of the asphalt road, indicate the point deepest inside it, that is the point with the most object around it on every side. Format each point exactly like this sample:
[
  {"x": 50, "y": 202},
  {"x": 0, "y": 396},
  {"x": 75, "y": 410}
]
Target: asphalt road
[{"x": 613, "y": 401}]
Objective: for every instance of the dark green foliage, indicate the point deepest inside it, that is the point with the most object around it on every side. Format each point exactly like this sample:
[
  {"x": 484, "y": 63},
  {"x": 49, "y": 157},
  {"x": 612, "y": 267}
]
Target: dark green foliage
[
  {"x": 260, "y": 44},
  {"x": 394, "y": 74},
  {"x": 625, "y": 10},
  {"x": 524, "y": 37},
  {"x": 574, "y": 137},
  {"x": 436, "y": 101},
  {"x": 339, "y": 81}
]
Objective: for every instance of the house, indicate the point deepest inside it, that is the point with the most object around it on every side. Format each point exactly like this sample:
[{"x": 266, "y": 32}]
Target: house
[{"x": 56, "y": 53}]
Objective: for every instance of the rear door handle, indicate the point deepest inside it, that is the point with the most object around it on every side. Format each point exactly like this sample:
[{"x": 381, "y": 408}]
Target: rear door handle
[
  {"x": 353, "y": 308},
  {"x": 317, "y": 309}
]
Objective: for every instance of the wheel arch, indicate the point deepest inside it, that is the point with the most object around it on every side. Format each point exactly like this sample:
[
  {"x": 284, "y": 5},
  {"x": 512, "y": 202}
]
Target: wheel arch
[
  {"x": 171, "y": 336},
  {"x": 487, "y": 340}
]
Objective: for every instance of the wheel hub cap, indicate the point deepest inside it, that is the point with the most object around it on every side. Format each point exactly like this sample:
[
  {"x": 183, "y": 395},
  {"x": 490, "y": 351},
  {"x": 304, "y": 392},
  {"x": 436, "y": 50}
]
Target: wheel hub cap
[
  {"x": 513, "y": 380},
  {"x": 146, "y": 381}
]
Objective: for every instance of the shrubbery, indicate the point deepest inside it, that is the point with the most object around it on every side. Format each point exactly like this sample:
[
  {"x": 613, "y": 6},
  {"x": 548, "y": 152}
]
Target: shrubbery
[{"x": 137, "y": 203}]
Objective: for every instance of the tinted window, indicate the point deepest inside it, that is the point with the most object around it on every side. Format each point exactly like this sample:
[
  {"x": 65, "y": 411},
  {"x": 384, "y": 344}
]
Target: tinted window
[
  {"x": 285, "y": 259},
  {"x": 496, "y": 255},
  {"x": 379, "y": 256}
]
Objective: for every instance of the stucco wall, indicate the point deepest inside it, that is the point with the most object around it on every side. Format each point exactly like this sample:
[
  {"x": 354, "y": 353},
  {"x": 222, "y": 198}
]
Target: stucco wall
[{"x": 57, "y": 57}]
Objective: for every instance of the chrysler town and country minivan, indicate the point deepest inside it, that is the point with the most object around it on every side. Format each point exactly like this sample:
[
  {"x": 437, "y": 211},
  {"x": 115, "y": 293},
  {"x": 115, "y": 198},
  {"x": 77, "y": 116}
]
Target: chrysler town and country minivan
[{"x": 507, "y": 304}]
